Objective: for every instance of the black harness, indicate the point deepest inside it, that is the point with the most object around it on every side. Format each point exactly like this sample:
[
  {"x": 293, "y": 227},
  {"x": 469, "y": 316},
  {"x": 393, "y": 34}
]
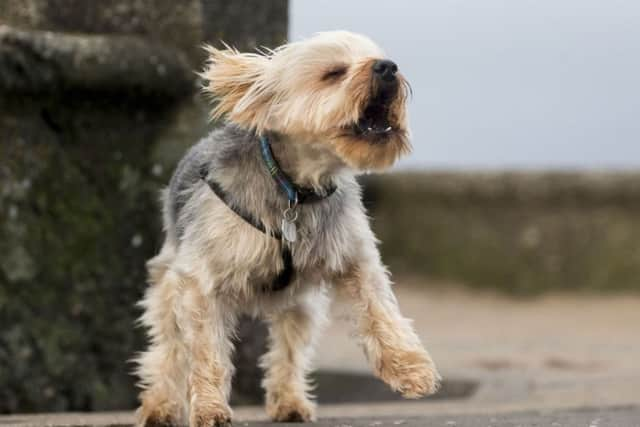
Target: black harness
[{"x": 304, "y": 196}]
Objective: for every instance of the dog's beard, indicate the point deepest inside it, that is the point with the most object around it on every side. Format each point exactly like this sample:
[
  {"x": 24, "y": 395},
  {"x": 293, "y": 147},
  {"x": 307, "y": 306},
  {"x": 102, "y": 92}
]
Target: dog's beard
[
  {"x": 371, "y": 150},
  {"x": 378, "y": 137}
]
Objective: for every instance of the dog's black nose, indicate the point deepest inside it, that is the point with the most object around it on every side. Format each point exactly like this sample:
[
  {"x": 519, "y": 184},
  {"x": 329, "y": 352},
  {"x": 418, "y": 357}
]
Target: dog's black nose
[{"x": 385, "y": 69}]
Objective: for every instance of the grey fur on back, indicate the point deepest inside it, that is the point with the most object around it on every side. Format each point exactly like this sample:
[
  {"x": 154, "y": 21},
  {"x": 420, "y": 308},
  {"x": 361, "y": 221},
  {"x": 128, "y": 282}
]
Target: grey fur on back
[{"x": 231, "y": 157}]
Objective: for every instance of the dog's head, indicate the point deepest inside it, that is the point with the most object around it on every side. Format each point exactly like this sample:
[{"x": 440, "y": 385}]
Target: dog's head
[{"x": 337, "y": 88}]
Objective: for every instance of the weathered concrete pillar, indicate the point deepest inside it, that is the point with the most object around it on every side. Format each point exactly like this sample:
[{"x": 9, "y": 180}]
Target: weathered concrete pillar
[{"x": 98, "y": 100}]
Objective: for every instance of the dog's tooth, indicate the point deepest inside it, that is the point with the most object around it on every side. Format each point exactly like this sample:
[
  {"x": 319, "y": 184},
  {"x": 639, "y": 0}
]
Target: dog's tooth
[{"x": 388, "y": 129}]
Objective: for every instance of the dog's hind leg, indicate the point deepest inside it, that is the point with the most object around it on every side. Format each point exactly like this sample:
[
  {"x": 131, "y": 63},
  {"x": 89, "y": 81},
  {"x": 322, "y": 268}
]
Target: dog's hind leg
[
  {"x": 286, "y": 364},
  {"x": 162, "y": 368}
]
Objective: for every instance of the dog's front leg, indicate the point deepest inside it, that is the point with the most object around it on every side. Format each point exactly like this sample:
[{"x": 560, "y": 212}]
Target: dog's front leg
[
  {"x": 390, "y": 343},
  {"x": 207, "y": 325},
  {"x": 291, "y": 335}
]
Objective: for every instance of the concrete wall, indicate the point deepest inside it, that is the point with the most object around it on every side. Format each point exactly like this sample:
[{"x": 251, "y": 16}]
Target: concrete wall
[{"x": 521, "y": 233}]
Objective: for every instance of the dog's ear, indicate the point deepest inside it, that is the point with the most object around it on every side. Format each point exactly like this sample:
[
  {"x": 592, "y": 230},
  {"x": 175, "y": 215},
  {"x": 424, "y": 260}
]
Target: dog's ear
[{"x": 235, "y": 82}]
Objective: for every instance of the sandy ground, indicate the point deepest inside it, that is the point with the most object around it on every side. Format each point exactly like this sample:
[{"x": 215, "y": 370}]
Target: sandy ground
[{"x": 551, "y": 352}]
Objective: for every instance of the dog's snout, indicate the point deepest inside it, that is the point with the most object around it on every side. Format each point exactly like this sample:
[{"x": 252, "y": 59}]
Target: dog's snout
[{"x": 385, "y": 69}]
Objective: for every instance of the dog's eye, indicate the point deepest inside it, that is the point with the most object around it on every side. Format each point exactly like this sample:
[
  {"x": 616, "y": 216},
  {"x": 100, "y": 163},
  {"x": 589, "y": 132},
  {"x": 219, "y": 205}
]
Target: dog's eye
[{"x": 335, "y": 73}]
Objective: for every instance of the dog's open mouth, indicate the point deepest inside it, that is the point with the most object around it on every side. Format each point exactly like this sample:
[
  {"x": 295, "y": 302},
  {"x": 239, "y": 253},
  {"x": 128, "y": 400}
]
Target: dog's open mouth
[
  {"x": 374, "y": 121},
  {"x": 378, "y": 122},
  {"x": 374, "y": 124}
]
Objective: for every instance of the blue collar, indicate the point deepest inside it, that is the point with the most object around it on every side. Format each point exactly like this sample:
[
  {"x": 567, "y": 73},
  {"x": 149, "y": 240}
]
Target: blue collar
[{"x": 295, "y": 194}]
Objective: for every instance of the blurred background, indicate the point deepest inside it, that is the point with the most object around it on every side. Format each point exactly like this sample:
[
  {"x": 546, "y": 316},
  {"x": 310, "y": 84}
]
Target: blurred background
[{"x": 513, "y": 230}]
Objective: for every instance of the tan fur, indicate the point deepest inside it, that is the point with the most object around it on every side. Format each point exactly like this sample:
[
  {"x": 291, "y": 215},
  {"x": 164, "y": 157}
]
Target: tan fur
[
  {"x": 391, "y": 345},
  {"x": 211, "y": 369},
  {"x": 284, "y": 91},
  {"x": 163, "y": 367},
  {"x": 156, "y": 410},
  {"x": 214, "y": 265},
  {"x": 292, "y": 333}
]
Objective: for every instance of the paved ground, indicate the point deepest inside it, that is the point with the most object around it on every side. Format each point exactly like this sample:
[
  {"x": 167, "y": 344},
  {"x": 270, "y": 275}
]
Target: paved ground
[
  {"x": 534, "y": 362},
  {"x": 612, "y": 417},
  {"x": 551, "y": 352}
]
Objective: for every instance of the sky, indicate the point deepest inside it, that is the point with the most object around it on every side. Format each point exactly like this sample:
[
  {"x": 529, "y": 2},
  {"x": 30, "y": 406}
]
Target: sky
[{"x": 533, "y": 84}]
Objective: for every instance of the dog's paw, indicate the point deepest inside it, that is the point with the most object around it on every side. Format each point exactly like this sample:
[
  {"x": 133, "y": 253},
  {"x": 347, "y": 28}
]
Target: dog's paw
[
  {"x": 411, "y": 373},
  {"x": 210, "y": 415},
  {"x": 155, "y": 420},
  {"x": 293, "y": 410},
  {"x": 154, "y": 414}
]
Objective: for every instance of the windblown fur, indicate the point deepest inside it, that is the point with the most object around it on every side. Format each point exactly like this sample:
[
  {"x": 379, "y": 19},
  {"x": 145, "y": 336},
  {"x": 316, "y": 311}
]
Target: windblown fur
[{"x": 308, "y": 98}]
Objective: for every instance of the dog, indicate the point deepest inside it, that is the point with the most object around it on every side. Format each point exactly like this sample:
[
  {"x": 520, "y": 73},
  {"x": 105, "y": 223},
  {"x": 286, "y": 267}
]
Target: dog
[{"x": 264, "y": 217}]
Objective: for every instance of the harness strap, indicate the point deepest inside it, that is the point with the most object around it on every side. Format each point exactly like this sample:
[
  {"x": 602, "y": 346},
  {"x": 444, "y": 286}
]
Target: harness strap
[
  {"x": 285, "y": 276},
  {"x": 222, "y": 195}
]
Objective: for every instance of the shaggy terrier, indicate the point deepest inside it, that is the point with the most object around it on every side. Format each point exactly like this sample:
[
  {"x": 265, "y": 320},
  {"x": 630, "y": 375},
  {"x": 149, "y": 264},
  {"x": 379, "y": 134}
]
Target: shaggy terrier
[{"x": 264, "y": 217}]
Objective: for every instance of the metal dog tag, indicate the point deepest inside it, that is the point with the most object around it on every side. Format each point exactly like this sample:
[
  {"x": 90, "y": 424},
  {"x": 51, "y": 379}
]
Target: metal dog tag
[{"x": 289, "y": 230}]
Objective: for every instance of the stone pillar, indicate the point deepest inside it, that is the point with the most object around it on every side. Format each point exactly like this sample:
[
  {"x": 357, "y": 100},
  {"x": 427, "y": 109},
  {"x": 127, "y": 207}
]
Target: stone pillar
[{"x": 98, "y": 100}]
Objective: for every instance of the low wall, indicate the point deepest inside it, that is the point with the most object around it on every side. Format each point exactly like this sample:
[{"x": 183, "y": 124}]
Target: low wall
[{"x": 521, "y": 233}]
